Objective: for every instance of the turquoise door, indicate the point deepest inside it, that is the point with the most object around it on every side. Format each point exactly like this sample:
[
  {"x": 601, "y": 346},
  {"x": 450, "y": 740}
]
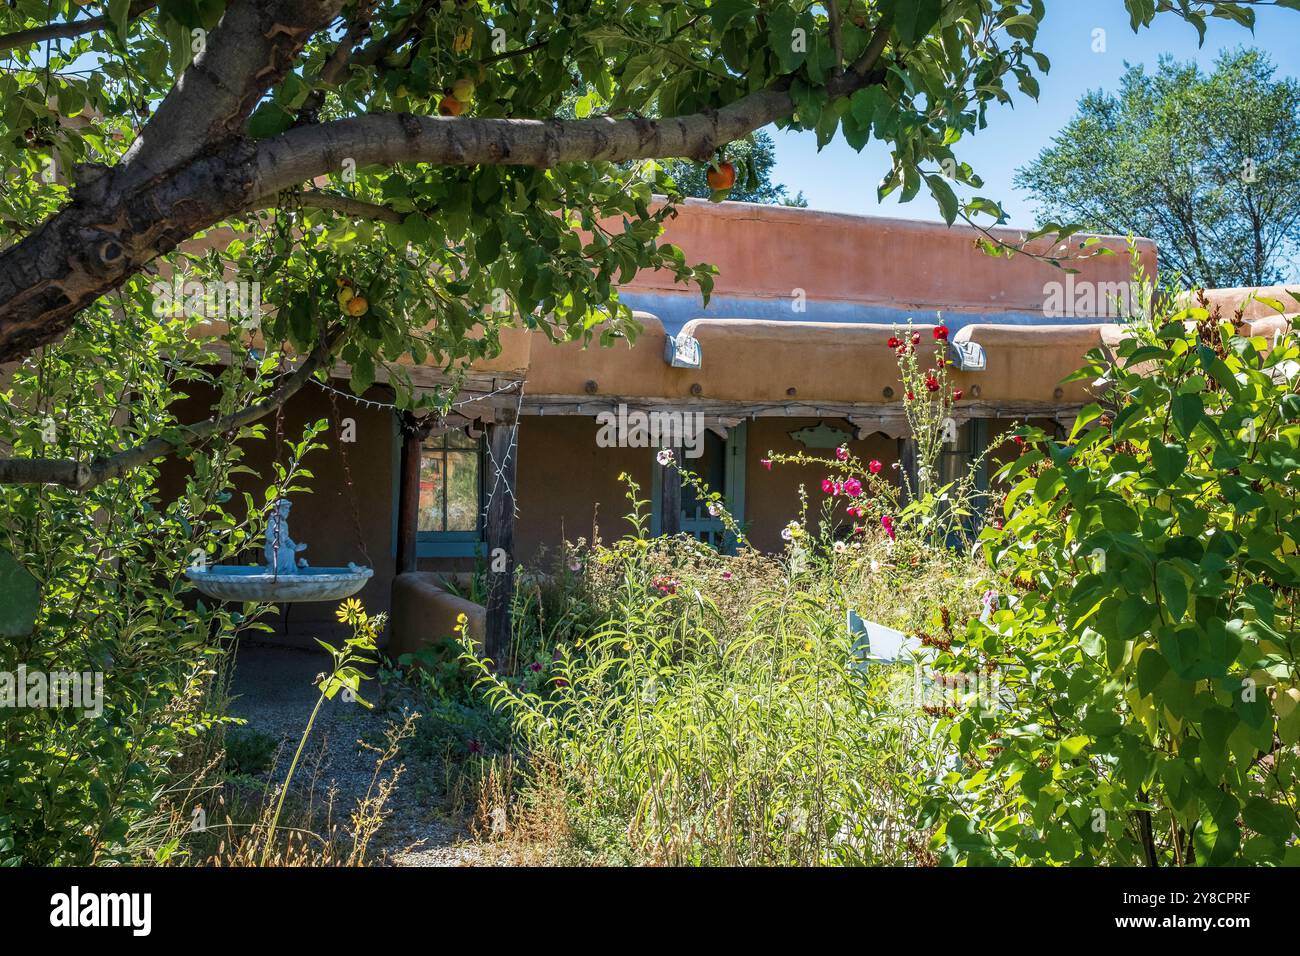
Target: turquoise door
[{"x": 720, "y": 468}]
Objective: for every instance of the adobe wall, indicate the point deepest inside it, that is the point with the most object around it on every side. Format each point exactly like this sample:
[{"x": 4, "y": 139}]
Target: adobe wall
[
  {"x": 867, "y": 269},
  {"x": 569, "y": 486}
]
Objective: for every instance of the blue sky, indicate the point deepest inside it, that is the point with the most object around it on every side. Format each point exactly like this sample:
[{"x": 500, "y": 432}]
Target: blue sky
[{"x": 840, "y": 180}]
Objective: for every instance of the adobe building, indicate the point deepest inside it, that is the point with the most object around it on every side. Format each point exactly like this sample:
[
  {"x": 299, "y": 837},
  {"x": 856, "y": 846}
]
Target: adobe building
[{"x": 790, "y": 355}]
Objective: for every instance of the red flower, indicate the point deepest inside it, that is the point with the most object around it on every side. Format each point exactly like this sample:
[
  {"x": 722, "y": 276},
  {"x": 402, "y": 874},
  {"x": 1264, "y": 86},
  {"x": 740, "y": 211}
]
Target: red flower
[
  {"x": 874, "y": 466},
  {"x": 941, "y": 332},
  {"x": 931, "y": 383},
  {"x": 766, "y": 463},
  {"x": 910, "y": 395},
  {"x": 894, "y": 342},
  {"x": 1017, "y": 439},
  {"x": 916, "y": 338},
  {"x": 828, "y": 486},
  {"x": 842, "y": 453},
  {"x": 956, "y": 395}
]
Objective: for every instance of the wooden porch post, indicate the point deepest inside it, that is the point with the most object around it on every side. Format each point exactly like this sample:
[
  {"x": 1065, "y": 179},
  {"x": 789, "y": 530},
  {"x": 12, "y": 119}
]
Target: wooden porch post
[
  {"x": 670, "y": 495},
  {"x": 408, "y": 495},
  {"x": 503, "y": 455}
]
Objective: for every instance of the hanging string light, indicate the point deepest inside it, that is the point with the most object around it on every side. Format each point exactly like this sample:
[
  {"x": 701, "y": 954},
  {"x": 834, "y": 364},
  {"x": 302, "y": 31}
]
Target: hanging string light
[{"x": 497, "y": 468}]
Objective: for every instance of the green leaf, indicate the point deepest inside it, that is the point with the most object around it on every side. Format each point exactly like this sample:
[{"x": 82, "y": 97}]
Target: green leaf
[
  {"x": 1151, "y": 669},
  {"x": 944, "y": 196},
  {"x": 20, "y": 597},
  {"x": 1170, "y": 461},
  {"x": 1173, "y": 590},
  {"x": 269, "y": 119},
  {"x": 1188, "y": 410},
  {"x": 913, "y": 19},
  {"x": 1269, "y": 819},
  {"x": 119, "y": 13}
]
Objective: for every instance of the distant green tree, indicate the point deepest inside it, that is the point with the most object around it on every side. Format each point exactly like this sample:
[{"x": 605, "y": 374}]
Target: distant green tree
[
  {"x": 1206, "y": 165},
  {"x": 754, "y": 162}
]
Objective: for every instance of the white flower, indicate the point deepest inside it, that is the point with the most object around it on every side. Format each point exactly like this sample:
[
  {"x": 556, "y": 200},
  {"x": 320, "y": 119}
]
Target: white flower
[
  {"x": 839, "y": 547},
  {"x": 715, "y": 509},
  {"x": 875, "y": 565},
  {"x": 665, "y": 457}
]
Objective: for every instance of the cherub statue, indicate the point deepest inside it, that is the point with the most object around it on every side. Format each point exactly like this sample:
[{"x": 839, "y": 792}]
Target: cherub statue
[{"x": 281, "y": 550}]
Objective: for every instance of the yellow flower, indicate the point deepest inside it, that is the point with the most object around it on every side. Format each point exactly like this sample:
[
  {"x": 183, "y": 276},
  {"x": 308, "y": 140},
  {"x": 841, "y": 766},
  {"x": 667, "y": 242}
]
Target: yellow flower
[{"x": 350, "y": 611}]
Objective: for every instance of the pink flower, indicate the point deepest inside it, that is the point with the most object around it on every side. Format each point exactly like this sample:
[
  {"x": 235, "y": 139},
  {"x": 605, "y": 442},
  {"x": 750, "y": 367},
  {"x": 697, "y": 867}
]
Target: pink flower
[
  {"x": 842, "y": 453},
  {"x": 873, "y": 466},
  {"x": 534, "y": 667},
  {"x": 726, "y": 575},
  {"x": 887, "y": 523},
  {"x": 941, "y": 332},
  {"x": 828, "y": 486},
  {"x": 766, "y": 463},
  {"x": 852, "y": 487}
]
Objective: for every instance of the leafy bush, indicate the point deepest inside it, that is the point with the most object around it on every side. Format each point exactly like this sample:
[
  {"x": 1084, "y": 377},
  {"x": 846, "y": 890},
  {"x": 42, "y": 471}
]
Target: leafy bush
[
  {"x": 1145, "y": 640},
  {"x": 109, "y": 562}
]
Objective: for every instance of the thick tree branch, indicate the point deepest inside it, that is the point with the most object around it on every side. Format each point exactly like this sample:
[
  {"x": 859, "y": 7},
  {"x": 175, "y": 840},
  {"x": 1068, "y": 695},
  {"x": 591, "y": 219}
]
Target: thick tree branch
[
  {"x": 81, "y": 476},
  {"x": 72, "y": 28},
  {"x": 251, "y": 48},
  {"x": 119, "y": 222}
]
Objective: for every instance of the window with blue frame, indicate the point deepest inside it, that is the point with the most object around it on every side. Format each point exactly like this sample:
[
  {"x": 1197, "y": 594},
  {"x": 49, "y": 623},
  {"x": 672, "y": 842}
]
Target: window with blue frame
[{"x": 451, "y": 496}]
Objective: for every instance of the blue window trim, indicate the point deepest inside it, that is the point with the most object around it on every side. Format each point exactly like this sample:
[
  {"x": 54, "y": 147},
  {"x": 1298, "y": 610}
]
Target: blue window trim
[
  {"x": 436, "y": 544},
  {"x": 736, "y": 450},
  {"x": 447, "y": 544}
]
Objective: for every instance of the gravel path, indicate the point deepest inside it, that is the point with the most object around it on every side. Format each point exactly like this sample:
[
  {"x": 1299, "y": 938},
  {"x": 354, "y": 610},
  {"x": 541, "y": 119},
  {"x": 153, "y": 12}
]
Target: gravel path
[{"x": 274, "y": 690}]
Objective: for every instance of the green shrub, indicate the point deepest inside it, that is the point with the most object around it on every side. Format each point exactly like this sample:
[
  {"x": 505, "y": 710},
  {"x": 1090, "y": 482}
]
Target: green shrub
[
  {"x": 78, "y": 788},
  {"x": 1145, "y": 641}
]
